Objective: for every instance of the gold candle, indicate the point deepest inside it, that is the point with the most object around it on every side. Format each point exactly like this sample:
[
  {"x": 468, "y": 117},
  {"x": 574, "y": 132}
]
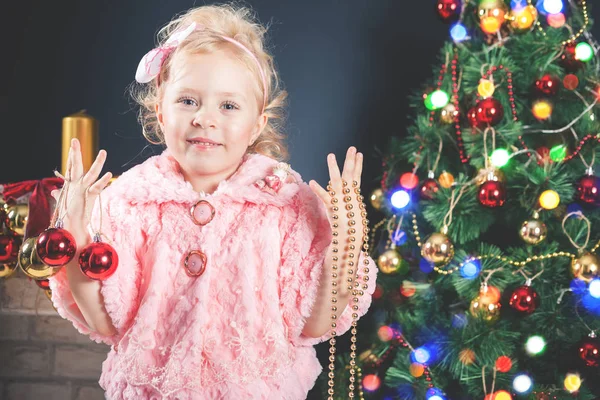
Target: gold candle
[{"x": 85, "y": 128}]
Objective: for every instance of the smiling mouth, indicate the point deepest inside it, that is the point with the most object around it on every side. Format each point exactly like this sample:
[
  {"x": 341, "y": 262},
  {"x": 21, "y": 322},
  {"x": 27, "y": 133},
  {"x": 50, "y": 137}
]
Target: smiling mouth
[{"x": 201, "y": 143}]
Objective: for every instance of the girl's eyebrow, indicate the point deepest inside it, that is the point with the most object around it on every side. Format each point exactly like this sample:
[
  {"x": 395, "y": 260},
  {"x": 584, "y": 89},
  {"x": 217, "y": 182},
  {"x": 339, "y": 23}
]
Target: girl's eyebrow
[
  {"x": 232, "y": 94},
  {"x": 224, "y": 94}
]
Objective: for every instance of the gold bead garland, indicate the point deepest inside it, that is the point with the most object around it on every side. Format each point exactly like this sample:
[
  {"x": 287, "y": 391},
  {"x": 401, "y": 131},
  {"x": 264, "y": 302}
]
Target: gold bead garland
[
  {"x": 353, "y": 285},
  {"x": 334, "y": 267},
  {"x": 505, "y": 259},
  {"x": 586, "y": 21}
]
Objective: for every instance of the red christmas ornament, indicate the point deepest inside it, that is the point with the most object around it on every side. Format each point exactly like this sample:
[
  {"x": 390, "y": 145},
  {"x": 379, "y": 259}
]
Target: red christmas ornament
[
  {"x": 473, "y": 121},
  {"x": 568, "y": 60},
  {"x": 43, "y": 283},
  {"x": 589, "y": 351},
  {"x": 10, "y": 243},
  {"x": 588, "y": 190},
  {"x": 408, "y": 180},
  {"x": 503, "y": 364},
  {"x": 524, "y": 299},
  {"x": 547, "y": 85},
  {"x": 448, "y": 10},
  {"x": 98, "y": 260},
  {"x": 429, "y": 189},
  {"x": 489, "y": 112},
  {"x": 492, "y": 194},
  {"x": 56, "y": 247}
]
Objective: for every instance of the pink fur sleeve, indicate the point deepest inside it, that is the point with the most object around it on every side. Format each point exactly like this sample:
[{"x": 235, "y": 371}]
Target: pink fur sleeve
[
  {"x": 120, "y": 290},
  {"x": 306, "y": 237}
]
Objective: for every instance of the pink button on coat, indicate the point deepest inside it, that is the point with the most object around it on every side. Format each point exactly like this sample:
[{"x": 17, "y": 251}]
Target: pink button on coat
[{"x": 235, "y": 331}]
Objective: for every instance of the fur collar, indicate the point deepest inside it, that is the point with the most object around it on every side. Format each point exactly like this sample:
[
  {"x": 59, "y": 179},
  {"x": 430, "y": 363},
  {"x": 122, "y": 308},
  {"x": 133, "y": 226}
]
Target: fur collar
[{"x": 159, "y": 180}]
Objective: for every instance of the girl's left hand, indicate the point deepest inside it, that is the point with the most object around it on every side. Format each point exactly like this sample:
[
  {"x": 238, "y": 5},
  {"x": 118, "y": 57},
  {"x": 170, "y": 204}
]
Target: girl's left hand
[{"x": 345, "y": 211}]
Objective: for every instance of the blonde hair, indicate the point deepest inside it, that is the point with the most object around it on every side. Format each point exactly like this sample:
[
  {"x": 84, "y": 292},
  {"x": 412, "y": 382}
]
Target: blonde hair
[{"x": 234, "y": 22}]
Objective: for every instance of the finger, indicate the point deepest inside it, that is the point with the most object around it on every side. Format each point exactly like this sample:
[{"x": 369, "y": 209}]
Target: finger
[
  {"x": 77, "y": 163},
  {"x": 55, "y": 193},
  {"x": 358, "y": 168},
  {"x": 92, "y": 175},
  {"x": 319, "y": 191},
  {"x": 334, "y": 171},
  {"x": 69, "y": 164},
  {"x": 348, "y": 172},
  {"x": 100, "y": 184}
]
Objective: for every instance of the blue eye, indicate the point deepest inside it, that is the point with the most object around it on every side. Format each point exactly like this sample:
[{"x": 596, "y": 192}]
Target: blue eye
[
  {"x": 187, "y": 101},
  {"x": 230, "y": 105}
]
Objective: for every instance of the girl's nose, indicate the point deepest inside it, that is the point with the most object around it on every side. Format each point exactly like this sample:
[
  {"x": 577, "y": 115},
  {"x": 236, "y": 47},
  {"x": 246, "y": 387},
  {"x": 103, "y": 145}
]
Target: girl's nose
[{"x": 204, "y": 120}]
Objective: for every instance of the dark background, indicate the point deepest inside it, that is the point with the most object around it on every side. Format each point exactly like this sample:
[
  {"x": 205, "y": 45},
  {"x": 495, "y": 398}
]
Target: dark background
[{"x": 348, "y": 67}]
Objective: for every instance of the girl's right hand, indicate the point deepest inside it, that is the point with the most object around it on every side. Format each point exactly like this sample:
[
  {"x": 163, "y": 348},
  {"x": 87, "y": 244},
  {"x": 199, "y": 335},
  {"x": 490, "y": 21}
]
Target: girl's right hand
[{"x": 83, "y": 190}]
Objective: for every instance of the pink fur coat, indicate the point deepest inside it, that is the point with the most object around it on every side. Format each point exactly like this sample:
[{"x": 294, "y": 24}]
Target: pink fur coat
[{"x": 235, "y": 331}]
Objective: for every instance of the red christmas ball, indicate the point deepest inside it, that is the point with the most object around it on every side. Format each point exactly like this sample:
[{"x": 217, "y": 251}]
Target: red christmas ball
[
  {"x": 568, "y": 60},
  {"x": 98, "y": 260},
  {"x": 588, "y": 190},
  {"x": 56, "y": 247},
  {"x": 524, "y": 299},
  {"x": 429, "y": 189},
  {"x": 589, "y": 351},
  {"x": 9, "y": 247},
  {"x": 472, "y": 118},
  {"x": 43, "y": 283},
  {"x": 492, "y": 194},
  {"x": 448, "y": 10},
  {"x": 489, "y": 112},
  {"x": 547, "y": 85}
]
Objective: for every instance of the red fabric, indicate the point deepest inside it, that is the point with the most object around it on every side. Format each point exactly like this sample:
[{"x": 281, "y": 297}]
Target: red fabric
[{"x": 39, "y": 204}]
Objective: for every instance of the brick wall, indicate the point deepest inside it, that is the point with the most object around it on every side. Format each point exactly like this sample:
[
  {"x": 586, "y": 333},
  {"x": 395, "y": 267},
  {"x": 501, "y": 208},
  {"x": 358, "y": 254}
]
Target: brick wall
[{"x": 41, "y": 355}]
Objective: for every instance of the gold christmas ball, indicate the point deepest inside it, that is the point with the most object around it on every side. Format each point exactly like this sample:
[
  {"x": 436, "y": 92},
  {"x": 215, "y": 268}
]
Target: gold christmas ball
[
  {"x": 7, "y": 270},
  {"x": 377, "y": 198},
  {"x": 16, "y": 217},
  {"x": 438, "y": 249},
  {"x": 448, "y": 114},
  {"x": 492, "y": 8},
  {"x": 524, "y": 18},
  {"x": 31, "y": 264},
  {"x": 533, "y": 231},
  {"x": 586, "y": 267},
  {"x": 391, "y": 262},
  {"x": 446, "y": 180},
  {"x": 484, "y": 309}
]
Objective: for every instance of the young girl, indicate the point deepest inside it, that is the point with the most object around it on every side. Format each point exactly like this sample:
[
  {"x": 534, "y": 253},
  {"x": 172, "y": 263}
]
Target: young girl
[{"x": 227, "y": 260}]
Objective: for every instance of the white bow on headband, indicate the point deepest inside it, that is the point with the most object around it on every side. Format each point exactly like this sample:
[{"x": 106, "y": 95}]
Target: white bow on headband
[{"x": 150, "y": 65}]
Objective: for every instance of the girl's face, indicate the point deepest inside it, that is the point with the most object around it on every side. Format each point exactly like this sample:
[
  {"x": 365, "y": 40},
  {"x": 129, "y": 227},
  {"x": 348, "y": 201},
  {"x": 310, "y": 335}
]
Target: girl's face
[{"x": 209, "y": 113}]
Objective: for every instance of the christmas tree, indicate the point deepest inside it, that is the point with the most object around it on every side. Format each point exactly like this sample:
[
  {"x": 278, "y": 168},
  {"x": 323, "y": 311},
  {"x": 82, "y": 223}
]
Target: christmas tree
[{"x": 486, "y": 232}]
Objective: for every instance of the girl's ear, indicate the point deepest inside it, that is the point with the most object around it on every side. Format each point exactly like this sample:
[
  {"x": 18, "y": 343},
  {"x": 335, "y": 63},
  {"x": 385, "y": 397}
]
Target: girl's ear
[
  {"x": 260, "y": 126},
  {"x": 159, "y": 115}
]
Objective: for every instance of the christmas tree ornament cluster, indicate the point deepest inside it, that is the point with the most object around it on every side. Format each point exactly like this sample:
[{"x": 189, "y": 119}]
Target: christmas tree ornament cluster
[{"x": 513, "y": 116}]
